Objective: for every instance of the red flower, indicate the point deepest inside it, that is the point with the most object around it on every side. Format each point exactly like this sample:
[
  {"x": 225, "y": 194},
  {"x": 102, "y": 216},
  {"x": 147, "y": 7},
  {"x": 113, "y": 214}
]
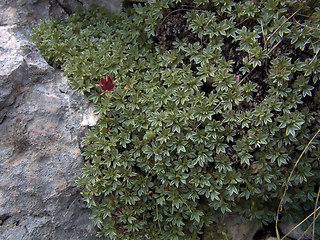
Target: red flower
[{"x": 106, "y": 84}]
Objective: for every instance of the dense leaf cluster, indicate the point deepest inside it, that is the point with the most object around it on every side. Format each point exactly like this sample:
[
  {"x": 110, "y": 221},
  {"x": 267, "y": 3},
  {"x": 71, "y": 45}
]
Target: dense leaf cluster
[{"x": 208, "y": 123}]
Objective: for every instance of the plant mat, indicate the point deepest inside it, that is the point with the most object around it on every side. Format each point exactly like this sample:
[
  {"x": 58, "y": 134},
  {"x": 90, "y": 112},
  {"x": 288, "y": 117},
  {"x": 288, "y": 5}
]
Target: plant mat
[{"x": 204, "y": 107}]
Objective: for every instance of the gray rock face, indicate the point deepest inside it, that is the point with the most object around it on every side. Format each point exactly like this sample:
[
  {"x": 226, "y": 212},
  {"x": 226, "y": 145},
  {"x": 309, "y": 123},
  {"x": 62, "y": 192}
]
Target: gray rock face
[
  {"x": 31, "y": 11},
  {"x": 297, "y": 233},
  {"x": 28, "y": 12},
  {"x": 41, "y": 120},
  {"x": 70, "y": 5},
  {"x": 232, "y": 229}
]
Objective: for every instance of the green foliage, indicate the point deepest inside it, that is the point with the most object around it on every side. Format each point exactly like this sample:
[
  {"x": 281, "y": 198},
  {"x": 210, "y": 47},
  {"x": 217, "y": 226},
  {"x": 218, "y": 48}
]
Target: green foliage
[{"x": 208, "y": 126}]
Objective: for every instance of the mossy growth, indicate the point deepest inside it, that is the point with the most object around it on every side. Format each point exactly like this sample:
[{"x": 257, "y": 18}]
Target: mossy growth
[{"x": 213, "y": 104}]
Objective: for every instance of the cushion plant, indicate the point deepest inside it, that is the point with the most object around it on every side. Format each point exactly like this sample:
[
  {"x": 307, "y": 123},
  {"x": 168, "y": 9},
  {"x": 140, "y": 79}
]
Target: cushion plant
[{"x": 204, "y": 108}]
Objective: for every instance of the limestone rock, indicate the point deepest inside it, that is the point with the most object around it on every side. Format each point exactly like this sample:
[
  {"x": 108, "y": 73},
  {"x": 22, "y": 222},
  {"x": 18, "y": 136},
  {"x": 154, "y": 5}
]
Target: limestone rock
[
  {"x": 233, "y": 230},
  {"x": 70, "y": 5},
  {"x": 29, "y": 12},
  {"x": 39, "y": 151},
  {"x": 298, "y": 233},
  {"x": 41, "y": 121}
]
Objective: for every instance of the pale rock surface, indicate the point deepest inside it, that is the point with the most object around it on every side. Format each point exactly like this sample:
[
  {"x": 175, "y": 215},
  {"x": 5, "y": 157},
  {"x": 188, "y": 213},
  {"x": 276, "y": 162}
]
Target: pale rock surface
[
  {"x": 41, "y": 121},
  {"x": 70, "y": 5},
  {"x": 39, "y": 151},
  {"x": 297, "y": 233},
  {"x": 240, "y": 231},
  {"x": 234, "y": 230}
]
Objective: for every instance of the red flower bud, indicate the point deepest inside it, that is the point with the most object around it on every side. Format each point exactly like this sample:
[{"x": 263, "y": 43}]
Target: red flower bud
[{"x": 106, "y": 84}]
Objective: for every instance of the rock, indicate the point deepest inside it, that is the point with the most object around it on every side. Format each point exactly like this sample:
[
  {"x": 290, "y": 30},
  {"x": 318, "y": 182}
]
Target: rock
[
  {"x": 70, "y": 5},
  {"x": 111, "y": 5},
  {"x": 29, "y": 12},
  {"x": 233, "y": 230},
  {"x": 11, "y": 67},
  {"x": 274, "y": 238},
  {"x": 298, "y": 233},
  {"x": 41, "y": 121},
  {"x": 89, "y": 118},
  {"x": 39, "y": 151}
]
